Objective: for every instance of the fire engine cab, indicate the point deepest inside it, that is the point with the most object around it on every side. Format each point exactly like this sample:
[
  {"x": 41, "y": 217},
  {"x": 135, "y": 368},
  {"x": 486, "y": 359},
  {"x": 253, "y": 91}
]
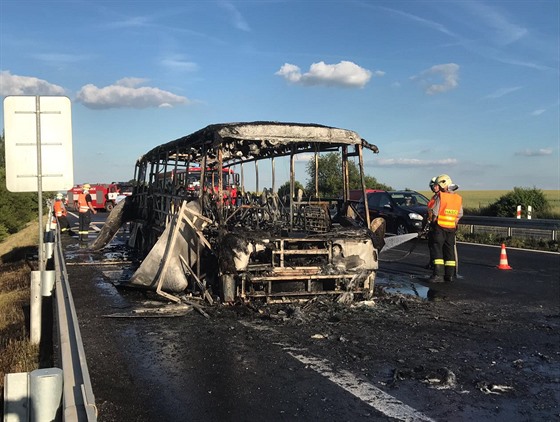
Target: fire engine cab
[{"x": 103, "y": 195}]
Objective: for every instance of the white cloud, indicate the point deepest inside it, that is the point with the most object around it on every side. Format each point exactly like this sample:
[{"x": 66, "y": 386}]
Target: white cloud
[
  {"x": 502, "y": 91},
  {"x": 132, "y": 22},
  {"x": 238, "y": 20},
  {"x": 26, "y": 85},
  {"x": 308, "y": 156},
  {"x": 426, "y": 22},
  {"x": 126, "y": 93},
  {"x": 534, "y": 152},
  {"x": 538, "y": 112},
  {"x": 449, "y": 73},
  {"x": 496, "y": 23},
  {"x": 131, "y": 82},
  {"x": 414, "y": 162},
  {"x": 344, "y": 74},
  {"x": 178, "y": 63},
  {"x": 60, "y": 58}
]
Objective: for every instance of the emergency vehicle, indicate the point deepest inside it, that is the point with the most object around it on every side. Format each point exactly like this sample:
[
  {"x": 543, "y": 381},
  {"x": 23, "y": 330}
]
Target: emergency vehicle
[
  {"x": 103, "y": 195},
  {"x": 187, "y": 181}
]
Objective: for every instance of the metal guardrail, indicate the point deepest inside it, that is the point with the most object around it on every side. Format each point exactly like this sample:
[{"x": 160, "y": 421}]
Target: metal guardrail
[
  {"x": 78, "y": 401},
  {"x": 536, "y": 228}
]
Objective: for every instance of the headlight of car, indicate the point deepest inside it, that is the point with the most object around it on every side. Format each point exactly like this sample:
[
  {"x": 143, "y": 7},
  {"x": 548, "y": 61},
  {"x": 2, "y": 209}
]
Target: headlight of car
[{"x": 415, "y": 216}]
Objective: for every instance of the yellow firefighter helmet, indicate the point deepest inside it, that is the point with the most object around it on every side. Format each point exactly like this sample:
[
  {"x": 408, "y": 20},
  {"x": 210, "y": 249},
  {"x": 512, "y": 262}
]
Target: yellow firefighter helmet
[{"x": 444, "y": 181}]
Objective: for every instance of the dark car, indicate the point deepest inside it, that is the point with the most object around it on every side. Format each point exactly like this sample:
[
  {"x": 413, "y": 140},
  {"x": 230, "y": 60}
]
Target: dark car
[{"x": 405, "y": 211}]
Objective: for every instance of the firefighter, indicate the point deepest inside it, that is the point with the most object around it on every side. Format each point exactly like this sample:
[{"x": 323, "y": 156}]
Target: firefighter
[
  {"x": 233, "y": 195},
  {"x": 445, "y": 212},
  {"x": 434, "y": 187},
  {"x": 85, "y": 208},
  {"x": 59, "y": 211}
]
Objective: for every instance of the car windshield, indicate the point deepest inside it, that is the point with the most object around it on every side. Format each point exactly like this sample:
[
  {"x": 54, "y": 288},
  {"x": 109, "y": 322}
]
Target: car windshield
[{"x": 409, "y": 199}]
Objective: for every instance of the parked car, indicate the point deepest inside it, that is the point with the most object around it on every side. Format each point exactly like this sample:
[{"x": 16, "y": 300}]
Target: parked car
[{"x": 404, "y": 211}]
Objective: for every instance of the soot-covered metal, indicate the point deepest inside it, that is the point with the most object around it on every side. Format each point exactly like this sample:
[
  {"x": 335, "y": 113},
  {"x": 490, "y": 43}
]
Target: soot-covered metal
[{"x": 200, "y": 227}]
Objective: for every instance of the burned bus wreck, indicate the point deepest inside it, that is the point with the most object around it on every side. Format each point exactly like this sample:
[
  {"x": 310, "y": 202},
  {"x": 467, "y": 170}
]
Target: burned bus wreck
[{"x": 205, "y": 233}]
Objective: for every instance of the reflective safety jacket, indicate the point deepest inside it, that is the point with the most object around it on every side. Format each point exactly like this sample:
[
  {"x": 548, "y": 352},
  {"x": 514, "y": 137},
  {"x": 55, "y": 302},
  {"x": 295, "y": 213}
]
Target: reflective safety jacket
[
  {"x": 59, "y": 209},
  {"x": 83, "y": 203},
  {"x": 450, "y": 209}
]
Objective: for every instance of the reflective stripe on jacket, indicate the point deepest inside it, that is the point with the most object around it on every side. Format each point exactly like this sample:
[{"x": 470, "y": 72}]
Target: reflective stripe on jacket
[
  {"x": 450, "y": 207},
  {"x": 82, "y": 203}
]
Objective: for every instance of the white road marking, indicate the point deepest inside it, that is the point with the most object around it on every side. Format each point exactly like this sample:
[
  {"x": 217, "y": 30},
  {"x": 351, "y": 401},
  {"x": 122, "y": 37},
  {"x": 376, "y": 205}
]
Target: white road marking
[{"x": 368, "y": 393}]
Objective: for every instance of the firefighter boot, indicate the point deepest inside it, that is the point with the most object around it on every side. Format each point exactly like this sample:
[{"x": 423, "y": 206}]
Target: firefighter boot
[
  {"x": 438, "y": 272},
  {"x": 449, "y": 271}
]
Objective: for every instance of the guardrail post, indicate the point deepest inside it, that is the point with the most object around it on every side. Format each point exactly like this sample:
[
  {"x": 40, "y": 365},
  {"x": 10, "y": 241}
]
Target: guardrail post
[
  {"x": 35, "y": 305},
  {"x": 45, "y": 392},
  {"x": 16, "y": 397},
  {"x": 48, "y": 249},
  {"x": 47, "y": 282}
]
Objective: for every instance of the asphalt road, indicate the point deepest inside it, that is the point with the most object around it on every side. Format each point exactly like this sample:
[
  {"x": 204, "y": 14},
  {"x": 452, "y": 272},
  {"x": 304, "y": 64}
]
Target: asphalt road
[{"x": 485, "y": 347}]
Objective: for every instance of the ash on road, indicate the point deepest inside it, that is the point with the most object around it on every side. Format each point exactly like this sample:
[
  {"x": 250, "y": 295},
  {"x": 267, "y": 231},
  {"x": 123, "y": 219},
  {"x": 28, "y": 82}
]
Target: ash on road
[{"x": 485, "y": 347}]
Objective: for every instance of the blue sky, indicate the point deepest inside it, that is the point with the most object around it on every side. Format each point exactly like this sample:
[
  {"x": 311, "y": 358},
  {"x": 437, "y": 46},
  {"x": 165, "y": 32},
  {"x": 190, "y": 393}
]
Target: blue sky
[{"x": 467, "y": 88}]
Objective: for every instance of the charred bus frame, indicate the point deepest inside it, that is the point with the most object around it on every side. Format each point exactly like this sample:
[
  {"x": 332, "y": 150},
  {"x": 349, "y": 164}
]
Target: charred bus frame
[{"x": 263, "y": 246}]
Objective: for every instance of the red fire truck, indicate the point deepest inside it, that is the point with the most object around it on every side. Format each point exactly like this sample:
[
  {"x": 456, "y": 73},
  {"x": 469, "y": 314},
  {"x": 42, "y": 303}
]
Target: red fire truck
[
  {"x": 189, "y": 181},
  {"x": 103, "y": 195}
]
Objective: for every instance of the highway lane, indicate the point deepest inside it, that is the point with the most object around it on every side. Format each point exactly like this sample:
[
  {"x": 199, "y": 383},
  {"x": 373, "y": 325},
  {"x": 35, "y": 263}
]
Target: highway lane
[
  {"x": 242, "y": 365},
  {"x": 534, "y": 275}
]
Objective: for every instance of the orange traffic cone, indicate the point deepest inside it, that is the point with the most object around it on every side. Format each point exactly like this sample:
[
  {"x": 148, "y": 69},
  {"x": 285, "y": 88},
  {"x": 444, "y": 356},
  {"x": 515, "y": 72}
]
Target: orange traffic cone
[{"x": 503, "y": 259}]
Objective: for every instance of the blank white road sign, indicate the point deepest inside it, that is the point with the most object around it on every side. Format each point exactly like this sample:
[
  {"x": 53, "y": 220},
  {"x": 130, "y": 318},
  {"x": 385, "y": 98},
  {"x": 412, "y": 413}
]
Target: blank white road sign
[{"x": 29, "y": 120}]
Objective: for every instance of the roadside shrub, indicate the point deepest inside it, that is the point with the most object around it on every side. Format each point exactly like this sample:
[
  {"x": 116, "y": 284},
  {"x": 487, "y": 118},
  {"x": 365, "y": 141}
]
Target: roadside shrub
[
  {"x": 3, "y": 232},
  {"x": 472, "y": 211},
  {"x": 16, "y": 209},
  {"x": 506, "y": 205},
  {"x": 550, "y": 215},
  {"x": 284, "y": 190}
]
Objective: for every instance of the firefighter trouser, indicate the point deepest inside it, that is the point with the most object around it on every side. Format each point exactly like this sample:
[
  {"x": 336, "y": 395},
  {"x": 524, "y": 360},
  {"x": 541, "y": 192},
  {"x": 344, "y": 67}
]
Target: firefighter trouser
[
  {"x": 431, "y": 244},
  {"x": 444, "y": 252},
  {"x": 85, "y": 220},
  {"x": 63, "y": 224}
]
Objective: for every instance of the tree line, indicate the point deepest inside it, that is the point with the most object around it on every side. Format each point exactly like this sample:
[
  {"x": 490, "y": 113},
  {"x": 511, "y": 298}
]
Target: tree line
[
  {"x": 330, "y": 178},
  {"x": 16, "y": 209}
]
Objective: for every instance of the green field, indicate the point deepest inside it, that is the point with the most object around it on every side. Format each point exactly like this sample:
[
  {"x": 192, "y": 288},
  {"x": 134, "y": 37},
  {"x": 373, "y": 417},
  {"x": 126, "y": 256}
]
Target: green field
[{"x": 483, "y": 198}]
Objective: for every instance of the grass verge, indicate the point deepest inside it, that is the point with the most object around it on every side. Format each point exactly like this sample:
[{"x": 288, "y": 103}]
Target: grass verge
[
  {"x": 17, "y": 354},
  {"x": 497, "y": 239}
]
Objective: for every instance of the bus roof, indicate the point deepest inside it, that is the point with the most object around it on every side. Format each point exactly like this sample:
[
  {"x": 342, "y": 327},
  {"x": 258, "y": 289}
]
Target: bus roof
[{"x": 256, "y": 140}]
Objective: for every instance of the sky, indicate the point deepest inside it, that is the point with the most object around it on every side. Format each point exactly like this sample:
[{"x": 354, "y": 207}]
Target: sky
[{"x": 466, "y": 88}]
